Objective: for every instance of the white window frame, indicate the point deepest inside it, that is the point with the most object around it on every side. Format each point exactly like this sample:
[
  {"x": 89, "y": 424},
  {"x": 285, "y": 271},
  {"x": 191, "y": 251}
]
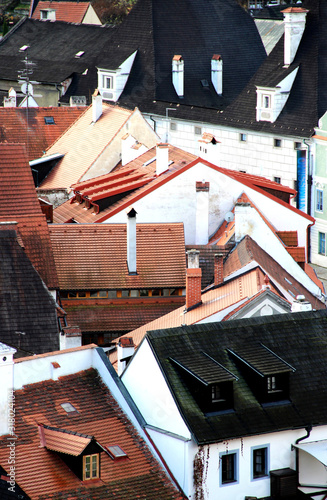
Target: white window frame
[
  {"x": 319, "y": 200},
  {"x": 266, "y": 101}
]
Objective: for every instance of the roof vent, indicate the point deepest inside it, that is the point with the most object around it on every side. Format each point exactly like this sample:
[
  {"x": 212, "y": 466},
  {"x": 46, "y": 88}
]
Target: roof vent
[{"x": 79, "y": 54}]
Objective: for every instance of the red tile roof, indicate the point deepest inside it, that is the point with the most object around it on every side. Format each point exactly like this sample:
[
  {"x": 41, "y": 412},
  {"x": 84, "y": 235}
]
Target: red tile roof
[
  {"x": 22, "y": 125},
  {"x": 289, "y": 238},
  {"x": 19, "y": 203},
  {"x": 43, "y": 474},
  {"x": 182, "y": 161},
  {"x": 62, "y": 441},
  {"x": 118, "y": 316},
  {"x": 94, "y": 256},
  {"x": 70, "y": 12},
  {"x": 248, "y": 251},
  {"x": 298, "y": 253}
]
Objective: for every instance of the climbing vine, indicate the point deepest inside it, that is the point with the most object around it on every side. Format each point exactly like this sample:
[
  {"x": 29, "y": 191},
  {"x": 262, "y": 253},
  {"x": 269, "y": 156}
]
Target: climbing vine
[{"x": 200, "y": 472}]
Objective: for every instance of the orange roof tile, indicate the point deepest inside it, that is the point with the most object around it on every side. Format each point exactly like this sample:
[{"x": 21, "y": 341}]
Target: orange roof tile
[
  {"x": 224, "y": 296},
  {"x": 82, "y": 144},
  {"x": 19, "y": 203},
  {"x": 42, "y": 473},
  {"x": 289, "y": 238},
  {"x": 94, "y": 256},
  {"x": 298, "y": 253},
  {"x": 70, "y": 12},
  {"x": 22, "y": 125},
  {"x": 62, "y": 441}
]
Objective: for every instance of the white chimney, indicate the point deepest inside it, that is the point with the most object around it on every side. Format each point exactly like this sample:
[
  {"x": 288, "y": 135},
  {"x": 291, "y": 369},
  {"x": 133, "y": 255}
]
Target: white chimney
[
  {"x": 202, "y": 212},
  {"x": 294, "y": 24},
  {"x": 162, "y": 158},
  {"x": 178, "y": 75},
  {"x": 301, "y": 305},
  {"x": 125, "y": 350},
  {"x": 10, "y": 101},
  {"x": 96, "y": 106},
  {"x": 7, "y": 398},
  {"x": 131, "y": 241},
  {"x": 217, "y": 73}
]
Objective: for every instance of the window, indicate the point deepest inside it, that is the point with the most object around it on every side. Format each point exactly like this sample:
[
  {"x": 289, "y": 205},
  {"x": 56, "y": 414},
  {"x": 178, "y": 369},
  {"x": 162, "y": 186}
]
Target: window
[
  {"x": 107, "y": 82},
  {"x": 228, "y": 467},
  {"x": 277, "y": 179},
  {"x": 69, "y": 408},
  {"x": 277, "y": 143},
  {"x": 271, "y": 384},
  {"x": 197, "y": 130},
  {"x": 297, "y": 145},
  {"x": 243, "y": 137},
  {"x": 259, "y": 462},
  {"x": 322, "y": 243},
  {"x": 116, "y": 452},
  {"x": 266, "y": 101},
  {"x": 49, "y": 120},
  {"x": 90, "y": 467},
  {"x": 216, "y": 393},
  {"x": 173, "y": 126},
  {"x": 319, "y": 200},
  {"x": 44, "y": 14}
]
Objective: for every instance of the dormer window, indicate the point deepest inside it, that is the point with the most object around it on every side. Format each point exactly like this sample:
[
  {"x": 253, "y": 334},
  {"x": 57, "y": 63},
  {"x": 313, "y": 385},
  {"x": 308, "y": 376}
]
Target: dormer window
[
  {"x": 210, "y": 383},
  {"x": 107, "y": 82},
  {"x": 267, "y": 374},
  {"x": 266, "y": 101},
  {"x": 91, "y": 468},
  {"x": 111, "y": 81}
]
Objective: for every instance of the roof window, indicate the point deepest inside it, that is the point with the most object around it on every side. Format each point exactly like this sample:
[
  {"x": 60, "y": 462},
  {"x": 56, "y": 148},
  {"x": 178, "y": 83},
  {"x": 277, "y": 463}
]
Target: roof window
[
  {"x": 79, "y": 54},
  {"x": 49, "y": 120},
  {"x": 69, "y": 408},
  {"x": 115, "y": 452}
]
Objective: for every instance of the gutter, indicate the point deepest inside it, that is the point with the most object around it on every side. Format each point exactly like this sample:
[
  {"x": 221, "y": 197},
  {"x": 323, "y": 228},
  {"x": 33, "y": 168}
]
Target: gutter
[
  {"x": 308, "y": 429},
  {"x": 309, "y": 186}
]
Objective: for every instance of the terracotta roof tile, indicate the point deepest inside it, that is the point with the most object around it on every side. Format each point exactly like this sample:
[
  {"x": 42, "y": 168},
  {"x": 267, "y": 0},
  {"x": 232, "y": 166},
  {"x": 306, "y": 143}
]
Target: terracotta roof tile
[
  {"x": 19, "y": 203},
  {"x": 73, "y": 143},
  {"x": 94, "y": 257},
  {"x": 70, "y": 12},
  {"x": 118, "y": 316},
  {"x": 22, "y": 125},
  {"x": 62, "y": 441},
  {"x": 298, "y": 253},
  {"x": 43, "y": 474},
  {"x": 289, "y": 238}
]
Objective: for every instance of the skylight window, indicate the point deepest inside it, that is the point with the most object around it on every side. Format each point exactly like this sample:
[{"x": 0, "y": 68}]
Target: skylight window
[
  {"x": 69, "y": 408},
  {"x": 116, "y": 452},
  {"x": 49, "y": 120},
  {"x": 80, "y": 53}
]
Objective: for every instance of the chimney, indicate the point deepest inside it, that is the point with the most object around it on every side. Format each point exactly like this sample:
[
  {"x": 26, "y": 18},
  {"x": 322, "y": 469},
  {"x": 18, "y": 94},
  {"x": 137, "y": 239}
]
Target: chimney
[
  {"x": 301, "y": 305},
  {"x": 125, "y": 350},
  {"x": 294, "y": 24},
  {"x": 202, "y": 212},
  {"x": 193, "y": 280},
  {"x": 7, "y": 398},
  {"x": 131, "y": 241},
  {"x": 178, "y": 75},
  {"x": 10, "y": 101},
  {"x": 162, "y": 158},
  {"x": 219, "y": 269},
  {"x": 217, "y": 73},
  {"x": 51, "y": 15},
  {"x": 96, "y": 106}
]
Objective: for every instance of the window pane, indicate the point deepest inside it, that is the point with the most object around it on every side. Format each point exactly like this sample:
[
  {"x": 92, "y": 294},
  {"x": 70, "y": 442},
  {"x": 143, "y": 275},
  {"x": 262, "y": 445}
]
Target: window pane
[
  {"x": 87, "y": 467},
  {"x": 322, "y": 243},
  {"x": 260, "y": 462},
  {"x": 228, "y": 468},
  {"x": 319, "y": 200},
  {"x": 94, "y": 466}
]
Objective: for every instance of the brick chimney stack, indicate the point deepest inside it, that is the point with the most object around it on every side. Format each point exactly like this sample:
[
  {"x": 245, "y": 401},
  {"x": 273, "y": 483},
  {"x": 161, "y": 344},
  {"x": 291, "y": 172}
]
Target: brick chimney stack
[
  {"x": 219, "y": 269},
  {"x": 193, "y": 280}
]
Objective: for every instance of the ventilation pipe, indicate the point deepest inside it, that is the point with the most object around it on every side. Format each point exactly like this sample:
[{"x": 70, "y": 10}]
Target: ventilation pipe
[{"x": 131, "y": 241}]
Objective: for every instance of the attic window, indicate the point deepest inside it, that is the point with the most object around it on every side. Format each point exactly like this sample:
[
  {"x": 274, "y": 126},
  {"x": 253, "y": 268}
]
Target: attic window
[
  {"x": 205, "y": 83},
  {"x": 107, "y": 82},
  {"x": 69, "y": 408},
  {"x": 115, "y": 452},
  {"x": 91, "y": 468},
  {"x": 79, "y": 54},
  {"x": 49, "y": 120}
]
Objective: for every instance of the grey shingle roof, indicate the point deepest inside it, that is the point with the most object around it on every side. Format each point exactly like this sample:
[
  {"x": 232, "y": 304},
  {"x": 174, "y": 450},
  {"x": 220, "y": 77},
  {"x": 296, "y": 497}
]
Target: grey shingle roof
[{"x": 299, "y": 339}]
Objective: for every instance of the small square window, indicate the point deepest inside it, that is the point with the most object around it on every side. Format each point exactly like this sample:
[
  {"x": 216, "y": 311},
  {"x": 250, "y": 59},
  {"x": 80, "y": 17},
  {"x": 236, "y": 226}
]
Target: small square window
[
  {"x": 266, "y": 101},
  {"x": 297, "y": 145},
  {"x": 322, "y": 243},
  {"x": 277, "y": 179},
  {"x": 277, "y": 143},
  {"x": 69, "y": 408},
  {"x": 259, "y": 462},
  {"x": 44, "y": 14},
  {"x": 197, "y": 130},
  {"x": 319, "y": 200},
  {"x": 102, "y": 294},
  {"x": 173, "y": 126},
  {"x": 228, "y": 467},
  {"x": 49, "y": 120},
  {"x": 243, "y": 137}
]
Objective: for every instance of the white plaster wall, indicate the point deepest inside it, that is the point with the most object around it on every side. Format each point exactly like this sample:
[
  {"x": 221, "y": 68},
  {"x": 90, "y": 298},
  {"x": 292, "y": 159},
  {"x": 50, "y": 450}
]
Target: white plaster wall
[
  {"x": 176, "y": 202},
  {"x": 91, "y": 17},
  {"x": 312, "y": 472},
  {"x": 255, "y": 156},
  {"x": 146, "y": 384}
]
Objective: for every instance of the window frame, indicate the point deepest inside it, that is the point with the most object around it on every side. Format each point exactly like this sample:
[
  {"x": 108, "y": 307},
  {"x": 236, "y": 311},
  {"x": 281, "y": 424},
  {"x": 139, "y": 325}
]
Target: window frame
[
  {"x": 265, "y": 474},
  {"x": 243, "y": 137},
  {"x": 277, "y": 143},
  {"x": 278, "y": 180},
  {"x": 234, "y": 455},
  {"x": 97, "y": 469},
  {"x": 321, "y": 240},
  {"x": 197, "y": 130},
  {"x": 319, "y": 200},
  {"x": 266, "y": 101}
]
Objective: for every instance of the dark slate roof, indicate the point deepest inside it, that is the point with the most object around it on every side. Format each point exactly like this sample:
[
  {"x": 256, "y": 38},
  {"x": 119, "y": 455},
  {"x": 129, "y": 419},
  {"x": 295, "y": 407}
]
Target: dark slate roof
[
  {"x": 299, "y": 339},
  {"x": 157, "y": 30},
  {"x": 25, "y": 303}
]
